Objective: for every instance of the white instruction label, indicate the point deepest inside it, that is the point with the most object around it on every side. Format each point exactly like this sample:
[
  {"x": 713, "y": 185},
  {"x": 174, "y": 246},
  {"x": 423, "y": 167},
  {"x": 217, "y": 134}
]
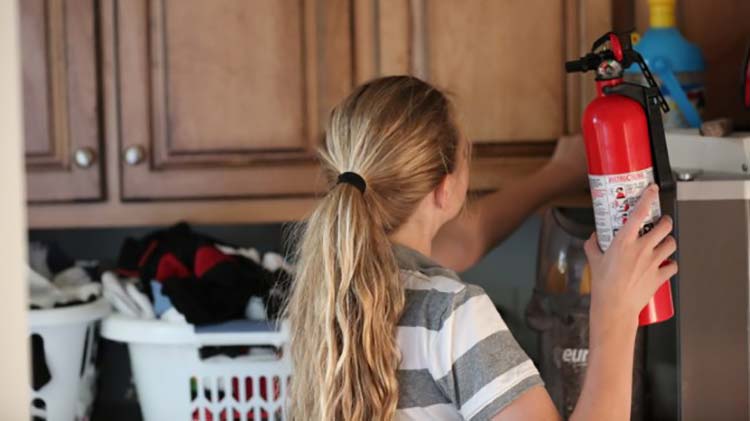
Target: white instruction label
[{"x": 614, "y": 197}]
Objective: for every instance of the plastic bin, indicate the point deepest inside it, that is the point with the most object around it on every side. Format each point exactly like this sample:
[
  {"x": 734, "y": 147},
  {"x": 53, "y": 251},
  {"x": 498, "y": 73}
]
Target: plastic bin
[
  {"x": 174, "y": 383},
  {"x": 68, "y": 340}
]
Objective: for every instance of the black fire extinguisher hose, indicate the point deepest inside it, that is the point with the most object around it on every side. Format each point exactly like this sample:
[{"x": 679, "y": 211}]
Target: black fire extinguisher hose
[{"x": 588, "y": 62}]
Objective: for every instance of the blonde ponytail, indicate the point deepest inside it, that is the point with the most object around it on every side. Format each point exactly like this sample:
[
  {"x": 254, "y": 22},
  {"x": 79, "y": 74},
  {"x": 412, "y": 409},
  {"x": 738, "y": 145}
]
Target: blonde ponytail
[{"x": 397, "y": 133}]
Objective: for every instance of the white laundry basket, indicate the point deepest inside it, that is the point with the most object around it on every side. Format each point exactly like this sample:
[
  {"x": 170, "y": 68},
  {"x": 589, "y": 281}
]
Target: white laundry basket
[
  {"x": 173, "y": 383},
  {"x": 68, "y": 335}
]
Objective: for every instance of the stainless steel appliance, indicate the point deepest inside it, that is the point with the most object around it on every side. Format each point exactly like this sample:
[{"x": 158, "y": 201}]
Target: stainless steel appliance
[{"x": 713, "y": 288}]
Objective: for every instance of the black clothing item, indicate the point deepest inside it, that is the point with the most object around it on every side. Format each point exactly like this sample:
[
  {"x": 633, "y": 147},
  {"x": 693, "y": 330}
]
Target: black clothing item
[
  {"x": 57, "y": 259},
  {"x": 143, "y": 257},
  {"x": 219, "y": 289},
  {"x": 40, "y": 374},
  {"x": 89, "y": 299},
  {"x": 204, "y": 284}
]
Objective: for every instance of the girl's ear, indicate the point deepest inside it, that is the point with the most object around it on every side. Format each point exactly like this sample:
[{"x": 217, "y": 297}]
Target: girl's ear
[{"x": 441, "y": 193}]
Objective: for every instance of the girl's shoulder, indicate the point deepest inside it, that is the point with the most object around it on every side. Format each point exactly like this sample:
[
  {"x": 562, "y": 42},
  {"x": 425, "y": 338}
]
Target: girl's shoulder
[
  {"x": 431, "y": 300},
  {"x": 438, "y": 283},
  {"x": 433, "y": 292}
]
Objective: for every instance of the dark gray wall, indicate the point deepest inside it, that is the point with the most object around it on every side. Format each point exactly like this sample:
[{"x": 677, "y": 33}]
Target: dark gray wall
[{"x": 104, "y": 243}]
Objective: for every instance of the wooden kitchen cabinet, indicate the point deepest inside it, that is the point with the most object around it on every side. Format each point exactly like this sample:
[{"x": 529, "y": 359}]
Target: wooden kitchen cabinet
[
  {"x": 227, "y": 99},
  {"x": 212, "y": 111},
  {"x": 60, "y": 101}
]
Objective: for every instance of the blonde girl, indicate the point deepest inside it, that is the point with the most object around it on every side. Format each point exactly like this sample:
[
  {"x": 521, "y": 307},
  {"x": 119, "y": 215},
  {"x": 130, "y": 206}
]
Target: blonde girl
[{"x": 383, "y": 328}]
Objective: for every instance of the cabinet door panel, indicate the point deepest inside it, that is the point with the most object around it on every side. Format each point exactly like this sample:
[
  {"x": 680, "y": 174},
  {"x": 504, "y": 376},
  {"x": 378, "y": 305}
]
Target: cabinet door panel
[
  {"x": 502, "y": 61},
  {"x": 253, "y": 72},
  {"x": 228, "y": 98},
  {"x": 61, "y": 113}
]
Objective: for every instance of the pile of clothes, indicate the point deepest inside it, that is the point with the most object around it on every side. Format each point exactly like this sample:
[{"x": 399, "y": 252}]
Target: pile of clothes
[{"x": 179, "y": 275}]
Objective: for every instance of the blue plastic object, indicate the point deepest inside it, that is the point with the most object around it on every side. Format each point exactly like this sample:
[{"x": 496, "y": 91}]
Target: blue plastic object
[
  {"x": 668, "y": 53},
  {"x": 162, "y": 303}
]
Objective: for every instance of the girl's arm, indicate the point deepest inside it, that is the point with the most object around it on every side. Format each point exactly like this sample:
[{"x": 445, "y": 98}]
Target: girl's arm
[
  {"x": 490, "y": 219},
  {"x": 624, "y": 278},
  {"x": 606, "y": 393}
]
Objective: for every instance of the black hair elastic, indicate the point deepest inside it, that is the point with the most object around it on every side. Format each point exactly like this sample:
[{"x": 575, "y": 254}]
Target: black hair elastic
[{"x": 354, "y": 179}]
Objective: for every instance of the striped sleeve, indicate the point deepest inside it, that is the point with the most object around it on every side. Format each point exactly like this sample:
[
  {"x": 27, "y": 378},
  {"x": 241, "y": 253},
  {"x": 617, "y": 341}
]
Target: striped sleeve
[{"x": 476, "y": 362}]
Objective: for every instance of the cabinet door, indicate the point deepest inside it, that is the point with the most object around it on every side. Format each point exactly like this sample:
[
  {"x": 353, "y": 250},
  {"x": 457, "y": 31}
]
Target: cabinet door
[
  {"x": 60, "y": 100},
  {"x": 227, "y": 99},
  {"x": 501, "y": 59}
]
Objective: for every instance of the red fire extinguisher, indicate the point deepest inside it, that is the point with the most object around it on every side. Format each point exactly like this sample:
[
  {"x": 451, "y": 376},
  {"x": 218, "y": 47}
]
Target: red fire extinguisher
[{"x": 625, "y": 147}]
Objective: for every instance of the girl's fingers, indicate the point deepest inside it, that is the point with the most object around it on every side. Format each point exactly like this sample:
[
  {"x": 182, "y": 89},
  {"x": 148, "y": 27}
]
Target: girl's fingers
[
  {"x": 639, "y": 215},
  {"x": 667, "y": 271},
  {"x": 664, "y": 250},
  {"x": 663, "y": 274},
  {"x": 660, "y": 231}
]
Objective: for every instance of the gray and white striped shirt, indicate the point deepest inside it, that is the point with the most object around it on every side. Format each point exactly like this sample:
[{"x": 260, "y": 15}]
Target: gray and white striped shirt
[{"x": 458, "y": 358}]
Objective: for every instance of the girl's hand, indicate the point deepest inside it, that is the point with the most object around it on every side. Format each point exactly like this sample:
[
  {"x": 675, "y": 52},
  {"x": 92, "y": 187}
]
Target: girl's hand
[{"x": 626, "y": 276}]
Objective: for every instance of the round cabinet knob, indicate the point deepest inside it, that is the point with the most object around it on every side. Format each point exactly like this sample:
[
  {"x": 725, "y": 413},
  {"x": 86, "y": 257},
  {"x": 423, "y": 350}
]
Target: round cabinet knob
[
  {"x": 84, "y": 157},
  {"x": 134, "y": 155}
]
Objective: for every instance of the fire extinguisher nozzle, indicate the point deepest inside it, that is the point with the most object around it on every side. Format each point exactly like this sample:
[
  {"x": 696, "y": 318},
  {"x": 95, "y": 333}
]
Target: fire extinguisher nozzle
[
  {"x": 588, "y": 62},
  {"x": 575, "y": 66}
]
